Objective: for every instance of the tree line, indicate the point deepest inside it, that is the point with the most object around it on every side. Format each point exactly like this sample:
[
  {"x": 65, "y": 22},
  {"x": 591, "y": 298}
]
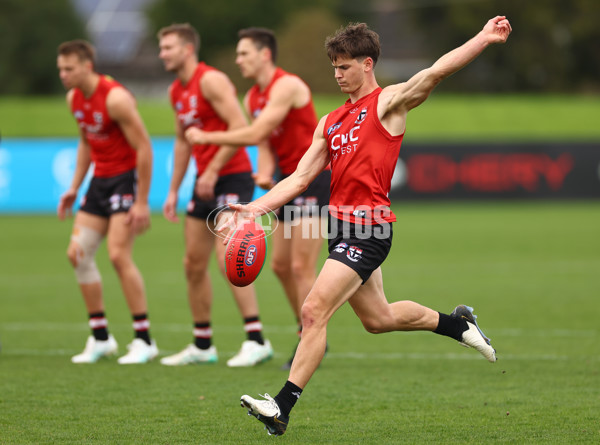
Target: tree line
[{"x": 555, "y": 45}]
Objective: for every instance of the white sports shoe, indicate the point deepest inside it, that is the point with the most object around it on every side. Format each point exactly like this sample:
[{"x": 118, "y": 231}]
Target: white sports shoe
[
  {"x": 191, "y": 354},
  {"x": 474, "y": 336},
  {"x": 268, "y": 412},
  {"x": 251, "y": 354},
  {"x": 95, "y": 349},
  {"x": 139, "y": 352}
]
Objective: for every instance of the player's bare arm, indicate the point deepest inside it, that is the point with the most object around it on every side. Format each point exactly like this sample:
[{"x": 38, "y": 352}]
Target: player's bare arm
[
  {"x": 266, "y": 165},
  {"x": 121, "y": 107},
  {"x": 266, "y": 162},
  {"x": 220, "y": 92},
  {"x": 84, "y": 159},
  {"x": 312, "y": 163},
  {"x": 181, "y": 158},
  {"x": 397, "y": 100},
  {"x": 286, "y": 93}
]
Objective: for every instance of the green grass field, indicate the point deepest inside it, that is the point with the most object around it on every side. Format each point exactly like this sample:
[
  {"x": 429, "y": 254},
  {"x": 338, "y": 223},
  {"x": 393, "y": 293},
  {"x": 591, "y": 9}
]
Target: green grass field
[
  {"x": 442, "y": 117},
  {"x": 529, "y": 269}
]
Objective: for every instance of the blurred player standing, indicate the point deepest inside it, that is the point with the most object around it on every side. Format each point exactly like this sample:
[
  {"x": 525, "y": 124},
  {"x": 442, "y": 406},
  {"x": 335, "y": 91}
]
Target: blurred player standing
[
  {"x": 205, "y": 97},
  {"x": 114, "y": 138},
  {"x": 283, "y": 121},
  {"x": 362, "y": 141}
]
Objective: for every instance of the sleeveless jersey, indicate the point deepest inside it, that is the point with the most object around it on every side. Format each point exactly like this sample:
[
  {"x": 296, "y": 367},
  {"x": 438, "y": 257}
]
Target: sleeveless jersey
[
  {"x": 293, "y": 136},
  {"x": 363, "y": 158},
  {"x": 192, "y": 109},
  {"x": 110, "y": 151}
]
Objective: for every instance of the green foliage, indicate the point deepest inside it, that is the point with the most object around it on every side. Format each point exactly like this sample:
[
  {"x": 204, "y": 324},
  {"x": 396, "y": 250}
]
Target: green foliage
[
  {"x": 529, "y": 269},
  {"x": 218, "y": 22},
  {"x": 300, "y": 52},
  {"x": 30, "y": 32},
  {"x": 553, "y": 47}
]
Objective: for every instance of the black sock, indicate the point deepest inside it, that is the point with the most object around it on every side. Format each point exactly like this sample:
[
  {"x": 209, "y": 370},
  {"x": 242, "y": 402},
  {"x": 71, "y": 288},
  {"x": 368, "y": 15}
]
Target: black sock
[
  {"x": 202, "y": 335},
  {"x": 287, "y": 398},
  {"x": 253, "y": 328},
  {"x": 98, "y": 324},
  {"x": 141, "y": 327},
  {"x": 451, "y": 326}
]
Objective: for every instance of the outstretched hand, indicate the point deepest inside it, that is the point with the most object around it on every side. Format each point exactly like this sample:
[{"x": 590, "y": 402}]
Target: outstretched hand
[
  {"x": 240, "y": 214},
  {"x": 497, "y": 29}
]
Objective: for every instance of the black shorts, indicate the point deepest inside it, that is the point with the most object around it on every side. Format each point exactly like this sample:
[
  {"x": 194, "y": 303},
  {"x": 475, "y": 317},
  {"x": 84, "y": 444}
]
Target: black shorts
[
  {"x": 310, "y": 202},
  {"x": 230, "y": 189},
  {"x": 361, "y": 248},
  {"x": 107, "y": 196}
]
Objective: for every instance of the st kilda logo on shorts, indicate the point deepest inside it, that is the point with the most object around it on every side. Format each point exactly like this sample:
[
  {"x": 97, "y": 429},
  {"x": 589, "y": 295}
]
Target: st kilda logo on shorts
[{"x": 354, "y": 253}]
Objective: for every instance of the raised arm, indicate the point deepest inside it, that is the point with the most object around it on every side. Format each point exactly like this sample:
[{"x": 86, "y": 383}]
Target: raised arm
[{"x": 401, "y": 98}]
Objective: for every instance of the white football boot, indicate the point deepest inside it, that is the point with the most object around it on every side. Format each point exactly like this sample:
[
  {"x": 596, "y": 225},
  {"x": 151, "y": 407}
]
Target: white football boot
[
  {"x": 268, "y": 412},
  {"x": 191, "y": 355},
  {"x": 96, "y": 349},
  {"x": 473, "y": 337},
  {"x": 251, "y": 354},
  {"x": 139, "y": 352}
]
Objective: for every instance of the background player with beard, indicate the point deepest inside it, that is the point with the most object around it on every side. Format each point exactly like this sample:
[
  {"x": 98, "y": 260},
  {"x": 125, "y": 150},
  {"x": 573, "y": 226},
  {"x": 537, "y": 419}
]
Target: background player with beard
[
  {"x": 205, "y": 97},
  {"x": 283, "y": 121}
]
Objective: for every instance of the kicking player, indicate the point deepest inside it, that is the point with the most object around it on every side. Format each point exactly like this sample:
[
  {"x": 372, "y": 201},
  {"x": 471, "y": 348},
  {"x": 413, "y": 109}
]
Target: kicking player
[{"x": 361, "y": 140}]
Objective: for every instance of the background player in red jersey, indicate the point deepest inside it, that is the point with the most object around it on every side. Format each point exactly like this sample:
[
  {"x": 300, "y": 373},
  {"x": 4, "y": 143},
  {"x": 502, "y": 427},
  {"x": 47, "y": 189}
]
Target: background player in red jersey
[
  {"x": 113, "y": 137},
  {"x": 362, "y": 140},
  {"x": 205, "y": 97},
  {"x": 283, "y": 121}
]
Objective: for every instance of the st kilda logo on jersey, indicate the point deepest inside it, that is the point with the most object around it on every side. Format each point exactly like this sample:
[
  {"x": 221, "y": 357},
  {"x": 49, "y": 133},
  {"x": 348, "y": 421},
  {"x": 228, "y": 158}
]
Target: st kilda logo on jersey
[{"x": 361, "y": 116}]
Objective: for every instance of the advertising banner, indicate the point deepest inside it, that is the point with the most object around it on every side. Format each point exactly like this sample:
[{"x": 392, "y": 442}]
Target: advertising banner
[
  {"x": 35, "y": 172},
  {"x": 487, "y": 171}
]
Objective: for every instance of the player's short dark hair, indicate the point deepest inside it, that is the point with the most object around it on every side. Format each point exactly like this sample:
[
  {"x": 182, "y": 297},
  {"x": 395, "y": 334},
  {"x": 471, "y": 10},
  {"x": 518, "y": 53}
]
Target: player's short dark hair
[
  {"x": 82, "y": 48},
  {"x": 185, "y": 31},
  {"x": 355, "y": 41},
  {"x": 262, "y": 38}
]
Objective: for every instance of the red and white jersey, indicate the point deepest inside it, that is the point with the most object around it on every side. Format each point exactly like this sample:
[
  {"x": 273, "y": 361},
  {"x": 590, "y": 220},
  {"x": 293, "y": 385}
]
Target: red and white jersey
[
  {"x": 192, "y": 109},
  {"x": 293, "y": 136},
  {"x": 363, "y": 158},
  {"x": 110, "y": 151}
]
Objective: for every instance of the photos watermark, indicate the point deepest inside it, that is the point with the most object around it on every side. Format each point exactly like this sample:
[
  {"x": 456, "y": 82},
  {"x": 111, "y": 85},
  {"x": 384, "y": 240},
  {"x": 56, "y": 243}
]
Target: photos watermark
[{"x": 311, "y": 221}]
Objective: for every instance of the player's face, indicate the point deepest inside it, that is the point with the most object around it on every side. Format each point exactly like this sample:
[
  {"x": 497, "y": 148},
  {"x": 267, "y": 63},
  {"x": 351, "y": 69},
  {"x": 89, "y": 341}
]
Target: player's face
[
  {"x": 72, "y": 71},
  {"x": 349, "y": 74},
  {"x": 249, "y": 58},
  {"x": 172, "y": 52}
]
